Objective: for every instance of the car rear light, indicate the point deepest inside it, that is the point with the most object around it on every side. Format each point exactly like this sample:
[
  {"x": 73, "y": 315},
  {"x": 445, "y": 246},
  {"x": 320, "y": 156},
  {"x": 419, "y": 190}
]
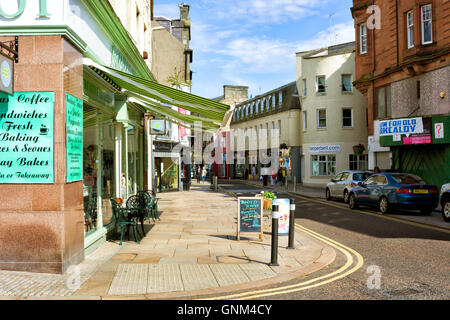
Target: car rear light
[
  {"x": 403, "y": 191},
  {"x": 433, "y": 191}
]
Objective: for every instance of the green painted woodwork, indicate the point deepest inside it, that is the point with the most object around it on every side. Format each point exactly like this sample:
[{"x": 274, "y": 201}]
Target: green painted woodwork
[
  {"x": 431, "y": 162},
  {"x": 104, "y": 14}
]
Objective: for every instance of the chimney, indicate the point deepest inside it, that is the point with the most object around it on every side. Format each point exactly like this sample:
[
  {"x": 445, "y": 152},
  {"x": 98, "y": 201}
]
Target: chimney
[{"x": 184, "y": 11}]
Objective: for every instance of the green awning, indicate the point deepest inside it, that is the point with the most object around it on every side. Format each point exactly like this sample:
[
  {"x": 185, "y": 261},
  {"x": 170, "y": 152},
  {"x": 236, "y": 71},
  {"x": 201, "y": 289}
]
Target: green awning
[{"x": 159, "y": 99}]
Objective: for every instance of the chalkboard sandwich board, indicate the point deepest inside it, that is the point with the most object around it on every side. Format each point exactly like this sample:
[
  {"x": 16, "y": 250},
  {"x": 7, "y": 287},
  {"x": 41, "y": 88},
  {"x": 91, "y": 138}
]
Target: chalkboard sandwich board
[{"x": 250, "y": 217}]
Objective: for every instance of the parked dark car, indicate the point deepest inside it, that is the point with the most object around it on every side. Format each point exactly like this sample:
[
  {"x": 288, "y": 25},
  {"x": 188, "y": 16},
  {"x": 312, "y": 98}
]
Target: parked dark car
[{"x": 395, "y": 190}]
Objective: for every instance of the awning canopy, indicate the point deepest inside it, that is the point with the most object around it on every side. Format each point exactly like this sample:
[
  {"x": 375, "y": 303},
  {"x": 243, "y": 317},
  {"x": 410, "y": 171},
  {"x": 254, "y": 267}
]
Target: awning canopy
[{"x": 159, "y": 99}]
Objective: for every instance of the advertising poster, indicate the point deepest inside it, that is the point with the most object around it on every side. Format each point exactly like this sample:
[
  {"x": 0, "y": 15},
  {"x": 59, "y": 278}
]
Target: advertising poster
[
  {"x": 74, "y": 138},
  {"x": 284, "y": 206},
  {"x": 26, "y": 138}
]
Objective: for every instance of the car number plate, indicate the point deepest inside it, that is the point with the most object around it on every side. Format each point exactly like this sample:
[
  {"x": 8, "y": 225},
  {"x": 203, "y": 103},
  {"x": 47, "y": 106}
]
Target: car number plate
[{"x": 420, "y": 191}]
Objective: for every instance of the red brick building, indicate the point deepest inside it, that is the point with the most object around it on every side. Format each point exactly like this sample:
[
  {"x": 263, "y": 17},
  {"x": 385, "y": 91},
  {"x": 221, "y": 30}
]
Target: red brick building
[{"x": 402, "y": 67}]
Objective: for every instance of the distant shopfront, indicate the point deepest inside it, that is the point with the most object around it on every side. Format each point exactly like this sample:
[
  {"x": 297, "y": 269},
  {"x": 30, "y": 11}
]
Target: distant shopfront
[{"x": 420, "y": 145}]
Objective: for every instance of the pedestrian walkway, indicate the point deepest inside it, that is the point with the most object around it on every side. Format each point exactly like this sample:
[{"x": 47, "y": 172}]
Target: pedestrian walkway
[{"x": 192, "y": 251}]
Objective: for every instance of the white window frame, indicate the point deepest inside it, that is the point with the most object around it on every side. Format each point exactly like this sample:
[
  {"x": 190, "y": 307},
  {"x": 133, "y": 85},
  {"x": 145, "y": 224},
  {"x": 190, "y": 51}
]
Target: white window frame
[
  {"x": 410, "y": 28},
  {"x": 351, "y": 83},
  {"x": 344, "y": 126},
  {"x": 317, "y": 84},
  {"x": 328, "y": 162},
  {"x": 363, "y": 38},
  {"x": 423, "y": 22},
  {"x": 318, "y": 118}
]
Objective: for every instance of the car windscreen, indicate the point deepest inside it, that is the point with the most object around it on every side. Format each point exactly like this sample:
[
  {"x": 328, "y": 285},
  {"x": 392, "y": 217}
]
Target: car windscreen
[
  {"x": 407, "y": 179},
  {"x": 361, "y": 176}
]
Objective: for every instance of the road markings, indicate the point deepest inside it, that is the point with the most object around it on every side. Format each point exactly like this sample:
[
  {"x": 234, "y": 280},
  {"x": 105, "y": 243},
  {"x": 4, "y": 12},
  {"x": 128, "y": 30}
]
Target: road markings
[
  {"x": 373, "y": 214},
  {"x": 313, "y": 283},
  {"x": 400, "y": 220}
]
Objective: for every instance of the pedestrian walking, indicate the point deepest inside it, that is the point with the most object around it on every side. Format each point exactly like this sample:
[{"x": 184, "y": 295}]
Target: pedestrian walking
[
  {"x": 204, "y": 172},
  {"x": 254, "y": 172}
]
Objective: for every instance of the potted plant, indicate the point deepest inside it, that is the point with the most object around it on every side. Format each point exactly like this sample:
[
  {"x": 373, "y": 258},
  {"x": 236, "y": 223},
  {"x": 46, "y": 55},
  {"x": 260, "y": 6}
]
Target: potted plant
[
  {"x": 359, "y": 149},
  {"x": 267, "y": 200}
]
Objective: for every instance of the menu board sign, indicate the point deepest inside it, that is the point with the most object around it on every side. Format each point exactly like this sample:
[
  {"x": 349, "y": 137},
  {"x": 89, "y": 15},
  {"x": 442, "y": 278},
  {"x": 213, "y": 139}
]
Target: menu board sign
[
  {"x": 27, "y": 138},
  {"x": 250, "y": 216},
  {"x": 74, "y": 138},
  {"x": 284, "y": 206}
]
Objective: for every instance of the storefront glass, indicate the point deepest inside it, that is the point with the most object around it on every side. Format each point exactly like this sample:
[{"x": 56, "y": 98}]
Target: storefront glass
[
  {"x": 108, "y": 172},
  {"x": 167, "y": 174},
  {"x": 90, "y": 166}
]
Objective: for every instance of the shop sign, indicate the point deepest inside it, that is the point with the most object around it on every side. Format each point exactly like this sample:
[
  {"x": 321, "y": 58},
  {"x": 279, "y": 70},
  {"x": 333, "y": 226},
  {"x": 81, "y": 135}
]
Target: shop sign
[
  {"x": 401, "y": 126},
  {"x": 158, "y": 127},
  {"x": 74, "y": 139},
  {"x": 284, "y": 206},
  {"x": 324, "y": 149},
  {"x": 417, "y": 140},
  {"x": 20, "y": 8},
  {"x": 27, "y": 138},
  {"x": 439, "y": 130},
  {"x": 6, "y": 75}
]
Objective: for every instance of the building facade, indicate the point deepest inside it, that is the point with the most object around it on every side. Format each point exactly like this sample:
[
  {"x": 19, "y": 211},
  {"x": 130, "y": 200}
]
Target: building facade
[
  {"x": 333, "y": 116},
  {"x": 171, "y": 59},
  {"x": 402, "y": 68},
  {"x": 259, "y": 119},
  {"x": 76, "y": 101}
]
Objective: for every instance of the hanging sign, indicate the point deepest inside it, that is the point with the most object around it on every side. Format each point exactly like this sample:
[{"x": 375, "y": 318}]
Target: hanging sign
[
  {"x": 158, "y": 127},
  {"x": 401, "y": 126},
  {"x": 6, "y": 75},
  {"x": 27, "y": 138},
  {"x": 250, "y": 215},
  {"x": 74, "y": 139}
]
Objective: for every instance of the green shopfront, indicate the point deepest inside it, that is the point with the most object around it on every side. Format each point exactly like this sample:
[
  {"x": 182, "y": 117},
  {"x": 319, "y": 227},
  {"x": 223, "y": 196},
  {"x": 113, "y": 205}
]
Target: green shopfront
[
  {"x": 75, "y": 132},
  {"x": 425, "y": 153}
]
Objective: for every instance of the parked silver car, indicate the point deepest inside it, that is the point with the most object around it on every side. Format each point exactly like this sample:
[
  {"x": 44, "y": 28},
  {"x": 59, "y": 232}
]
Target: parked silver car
[
  {"x": 445, "y": 201},
  {"x": 343, "y": 182}
]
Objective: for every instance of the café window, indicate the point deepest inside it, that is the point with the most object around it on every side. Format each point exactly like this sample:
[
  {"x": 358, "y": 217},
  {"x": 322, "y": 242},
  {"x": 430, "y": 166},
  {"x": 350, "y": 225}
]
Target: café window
[
  {"x": 410, "y": 28},
  {"x": 383, "y": 102},
  {"x": 323, "y": 165},
  {"x": 320, "y": 84},
  {"x": 347, "y": 118},
  {"x": 427, "y": 24},
  {"x": 358, "y": 162},
  {"x": 363, "y": 39},
  {"x": 347, "y": 85},
  {"x": 321, "y": 118}
]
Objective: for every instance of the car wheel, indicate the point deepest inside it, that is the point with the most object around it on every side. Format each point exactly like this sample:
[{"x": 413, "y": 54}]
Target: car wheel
[
  {"x": 328, "y": 195},
  {"x": 352, "y": 203},
  {"x": 346, "y": 197},
  {"x": 426, "y": 212},
  {"x": 383, "y": 205},
  {"x": 446, "y": 210}
]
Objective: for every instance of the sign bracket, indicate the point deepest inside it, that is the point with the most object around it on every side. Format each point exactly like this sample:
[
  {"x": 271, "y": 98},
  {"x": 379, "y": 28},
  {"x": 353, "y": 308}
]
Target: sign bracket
[{"x": 10, "y": 49}]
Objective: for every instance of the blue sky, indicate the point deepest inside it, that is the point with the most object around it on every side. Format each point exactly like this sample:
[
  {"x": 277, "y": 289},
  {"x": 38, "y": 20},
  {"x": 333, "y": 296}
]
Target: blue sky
[{"x": 253, "y": 42}]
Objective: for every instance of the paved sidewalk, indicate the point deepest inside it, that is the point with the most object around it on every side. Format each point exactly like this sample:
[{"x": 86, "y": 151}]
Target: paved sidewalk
[{"x": 192, "y": 251}]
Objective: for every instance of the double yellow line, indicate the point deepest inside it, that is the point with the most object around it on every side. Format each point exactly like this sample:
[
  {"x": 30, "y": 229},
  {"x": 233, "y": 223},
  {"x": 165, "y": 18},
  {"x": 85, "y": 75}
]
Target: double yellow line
[{"x": 342, "y": 272}]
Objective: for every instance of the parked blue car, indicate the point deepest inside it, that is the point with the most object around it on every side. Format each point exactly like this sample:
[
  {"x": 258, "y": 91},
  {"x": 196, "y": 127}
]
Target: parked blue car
[{"x": 395, "y": 190}]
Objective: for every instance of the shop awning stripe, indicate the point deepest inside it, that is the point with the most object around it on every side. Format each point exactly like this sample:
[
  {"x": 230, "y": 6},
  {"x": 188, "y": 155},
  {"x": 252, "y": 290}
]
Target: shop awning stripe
[
  {"x": 209, "y": 109},
  {"x": 190, "y": 118}
]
